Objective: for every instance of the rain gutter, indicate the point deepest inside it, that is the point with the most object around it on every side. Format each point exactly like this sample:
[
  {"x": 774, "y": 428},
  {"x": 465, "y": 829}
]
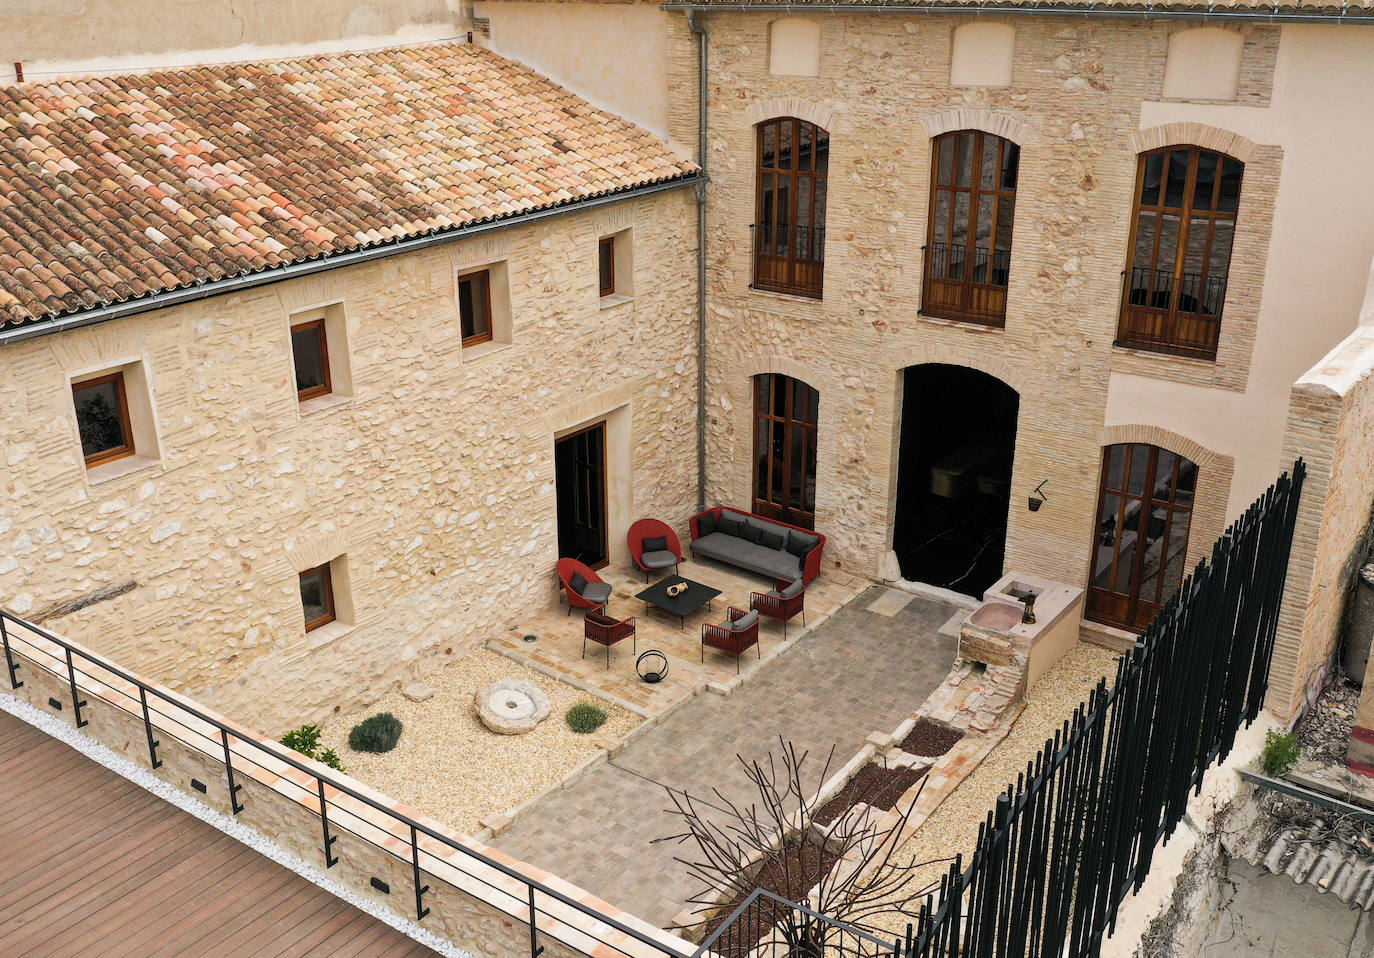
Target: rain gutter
[
  {"x": 1273, "y": 15},
  {"x": 702, "y": 38}
]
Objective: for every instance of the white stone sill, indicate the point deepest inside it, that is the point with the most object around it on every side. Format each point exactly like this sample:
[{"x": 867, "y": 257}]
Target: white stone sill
[
  {"x": 810, "y": 301},
  {"x": 1151, "y": 354},
  {"x": 120, "y": 468},
  {"x": 325, "y": 635},
  {"x": 609, "y": 302},
  {"x": 965, "y": 324},
  {"x": 323, "y": 404},
  {"x": 484, "y": 350}
]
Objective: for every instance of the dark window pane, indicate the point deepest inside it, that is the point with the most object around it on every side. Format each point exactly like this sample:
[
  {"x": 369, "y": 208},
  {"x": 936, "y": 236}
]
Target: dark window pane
[
  {"x": 785, "y": 145},
  {"x": 1206, "y": 181},
  {"x": 1005, "y": 208},
  {"x": 965, "y": 167},
  {"x": 317, "y": 599},
  {"x": 822, "y": 152},
  {"x": 987, "y": 164},
  {"x": 1011, "y": 162},
  {"x": 472, "y": 307},
  {"x": 1230, "y": 184},
  {"x": 308, "y": 354},
  {"x": 769, "y": 159},
  {"x": 1177, "y": 176},
  {"x": 945, "y": 161},
  {"x": 1138, "y": 470},
  {"x": 605, "y": 265},
  {"x": 100, "y": 416},
  {"x": 805, "y": 133},
  {"x": 1150, "y": 182},
  {"x": 960, "y": 237}
]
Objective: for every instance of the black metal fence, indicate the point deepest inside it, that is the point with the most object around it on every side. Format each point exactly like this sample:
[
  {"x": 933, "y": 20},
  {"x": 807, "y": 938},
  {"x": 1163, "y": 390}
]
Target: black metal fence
[{"x": 1077, "y": 831}]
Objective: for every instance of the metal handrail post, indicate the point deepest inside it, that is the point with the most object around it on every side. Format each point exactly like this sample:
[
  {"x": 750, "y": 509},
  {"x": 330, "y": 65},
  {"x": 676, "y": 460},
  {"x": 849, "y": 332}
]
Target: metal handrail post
[
  {"x": 229, "y": 768},
  {"x": 148, "y": 729},
  {"x": 420, "y": 910},
  {"x": 330, "y": 859},
  {"x": 9, "y": 656},
  {"x": 76, "y": 696}
]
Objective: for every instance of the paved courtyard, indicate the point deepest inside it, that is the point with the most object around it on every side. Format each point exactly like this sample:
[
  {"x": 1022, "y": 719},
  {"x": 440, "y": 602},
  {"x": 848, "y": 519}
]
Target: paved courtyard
[{"x": 860, "y": 671}]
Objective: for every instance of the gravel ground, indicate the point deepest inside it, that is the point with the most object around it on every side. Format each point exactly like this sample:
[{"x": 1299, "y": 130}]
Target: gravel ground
[
  {"x": 953, "y": 828},
  {"x": 449, "y": 766}
]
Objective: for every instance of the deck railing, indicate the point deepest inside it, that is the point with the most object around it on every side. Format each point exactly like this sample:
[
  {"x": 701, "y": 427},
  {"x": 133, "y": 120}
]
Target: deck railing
[{"x": 342, "y": 808}]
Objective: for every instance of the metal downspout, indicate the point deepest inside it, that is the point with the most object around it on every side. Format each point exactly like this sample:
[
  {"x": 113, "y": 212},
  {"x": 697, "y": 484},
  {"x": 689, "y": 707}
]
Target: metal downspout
[{"x": 701, "y": 35}]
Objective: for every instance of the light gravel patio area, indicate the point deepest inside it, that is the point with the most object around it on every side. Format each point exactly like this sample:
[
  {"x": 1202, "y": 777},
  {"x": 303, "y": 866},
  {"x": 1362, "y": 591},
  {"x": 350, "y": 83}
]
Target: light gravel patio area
[{"x": 450, "y": 767}]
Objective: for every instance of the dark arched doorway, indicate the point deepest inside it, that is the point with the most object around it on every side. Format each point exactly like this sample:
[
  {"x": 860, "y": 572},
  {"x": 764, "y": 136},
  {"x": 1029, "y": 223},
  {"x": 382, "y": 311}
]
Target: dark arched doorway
[
  {"x": 785, "y": 414},
  {"x": 954, "y": 476}
]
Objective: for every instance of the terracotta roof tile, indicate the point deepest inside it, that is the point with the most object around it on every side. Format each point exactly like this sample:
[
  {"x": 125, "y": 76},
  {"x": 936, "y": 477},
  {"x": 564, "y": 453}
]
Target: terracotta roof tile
[{"x": 116, "y": 187}]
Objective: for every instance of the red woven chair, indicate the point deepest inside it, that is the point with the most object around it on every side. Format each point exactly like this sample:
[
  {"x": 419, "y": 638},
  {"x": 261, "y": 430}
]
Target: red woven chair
[
  {"x": 779, "y": 605},
  {"x": 654, "y": 556},
  {"x": 727, "y": 638},
  {"x": 583, "y": 587},
  {"x": 607, "y": 631}
]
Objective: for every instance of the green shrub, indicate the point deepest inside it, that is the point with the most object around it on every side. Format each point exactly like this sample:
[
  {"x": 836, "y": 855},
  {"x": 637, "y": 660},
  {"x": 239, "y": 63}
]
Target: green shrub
[
  {"x": 306, "y": 740},
  {"x": 376, "y": 734},
  {"x": 584, "y": 717},
  {"x": 1280, "y": 752}
]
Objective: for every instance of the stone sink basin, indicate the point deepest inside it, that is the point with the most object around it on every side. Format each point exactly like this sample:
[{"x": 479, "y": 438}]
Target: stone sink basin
[{"x": 997, "y": 616}]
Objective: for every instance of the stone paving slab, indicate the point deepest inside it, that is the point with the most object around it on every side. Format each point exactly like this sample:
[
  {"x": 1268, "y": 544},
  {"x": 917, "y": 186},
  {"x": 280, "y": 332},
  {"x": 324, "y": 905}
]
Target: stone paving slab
[{"x": 855, "y": 673}]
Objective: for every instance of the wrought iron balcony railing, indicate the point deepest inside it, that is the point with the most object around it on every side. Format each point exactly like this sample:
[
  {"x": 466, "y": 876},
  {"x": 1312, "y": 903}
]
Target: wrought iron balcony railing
[
  {"x": 963, "y": 283},
  {"x": 1173, "y": 314},
  {"x": 788, "y": 259}
]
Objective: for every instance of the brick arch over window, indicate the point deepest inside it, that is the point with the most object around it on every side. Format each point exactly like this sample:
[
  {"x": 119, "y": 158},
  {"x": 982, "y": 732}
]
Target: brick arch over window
[
  {"x": 1193, "y": 134},
  {"x": 1006, "y": 125},
  {"x": 1215, "y": 472},
  {"x": 792, "y": 172},
  {"x": 821, "y": 114},
  {"x": 1025, "y": 382}
]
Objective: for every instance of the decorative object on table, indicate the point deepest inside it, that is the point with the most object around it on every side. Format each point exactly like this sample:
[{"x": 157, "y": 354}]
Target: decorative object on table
[
  {"x": 676, "y": 590},
  {"x": 604, "y": 630},
  {"x": 654, "y": 546},
  {"x": 683, "y": 602},
  {"x": 782, "y": 602},
  {"x": 378, "y": 733},
  {"x": 511, "y": 706},
  {"x": 652, "y": 666},
  {"x": 583, "y": 587},
  {"x": 739, "y": 631},
  {"x": 759, "y": 545}
]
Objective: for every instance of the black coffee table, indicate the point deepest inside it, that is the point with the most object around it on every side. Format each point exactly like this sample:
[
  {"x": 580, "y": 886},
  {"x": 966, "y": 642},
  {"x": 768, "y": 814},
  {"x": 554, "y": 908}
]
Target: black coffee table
[{"x": 681, "y": 605}]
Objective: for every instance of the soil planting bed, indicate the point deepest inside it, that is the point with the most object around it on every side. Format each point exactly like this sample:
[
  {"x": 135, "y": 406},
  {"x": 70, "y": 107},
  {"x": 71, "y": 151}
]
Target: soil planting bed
[
  {"x": 874, "y": 785},
  {"x": 791, "y": 875},
  {"x": 930, "y": 739}
]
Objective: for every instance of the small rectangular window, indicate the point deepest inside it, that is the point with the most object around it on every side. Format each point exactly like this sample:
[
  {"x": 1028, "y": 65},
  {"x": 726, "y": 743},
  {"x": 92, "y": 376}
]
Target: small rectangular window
[
  {"x": 102, "y": 417},
  {"x": 606, "y": 265},
  {"x": 310, "y": 353},
  {"x": 317, "y": 597},
  {"x": 474, "y": 307}
]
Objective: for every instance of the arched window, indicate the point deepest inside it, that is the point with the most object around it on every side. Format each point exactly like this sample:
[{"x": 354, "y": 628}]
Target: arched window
[
  {"x": 1140, "y": 547},
  {"x": 1181, "y": 238},
  {"x": 789, "y": 229},
  {"x": 785, "y": 416},
  {"x": 968, "y": 249}
]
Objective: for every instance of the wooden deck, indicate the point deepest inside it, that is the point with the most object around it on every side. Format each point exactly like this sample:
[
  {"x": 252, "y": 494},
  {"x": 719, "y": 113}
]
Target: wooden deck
[{"x": 92, "y": 864}]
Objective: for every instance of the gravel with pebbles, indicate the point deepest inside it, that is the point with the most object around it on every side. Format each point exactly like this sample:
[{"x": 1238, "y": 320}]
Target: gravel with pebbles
[
  {"x": 449, "y": 766},
  {"x": 953, "y": 827}
]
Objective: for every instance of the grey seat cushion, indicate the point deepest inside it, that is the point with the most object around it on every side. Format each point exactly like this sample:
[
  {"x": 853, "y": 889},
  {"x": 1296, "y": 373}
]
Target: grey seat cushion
[
  {"x": 660, "y": 559},
  {"x": 800, "y": 543},
  {"x": 791, "y": 589},
  {"x": 748, "y": 555},
  {"x": 596, "y": 592}
]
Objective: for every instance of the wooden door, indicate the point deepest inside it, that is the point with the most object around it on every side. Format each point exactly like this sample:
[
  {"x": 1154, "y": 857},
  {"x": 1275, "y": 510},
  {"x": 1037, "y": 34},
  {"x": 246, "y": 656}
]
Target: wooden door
[
  {"x": 580, "y": 478},
  {"x": 1140, "y": 546},
  {"x": 785, "y": 415}
]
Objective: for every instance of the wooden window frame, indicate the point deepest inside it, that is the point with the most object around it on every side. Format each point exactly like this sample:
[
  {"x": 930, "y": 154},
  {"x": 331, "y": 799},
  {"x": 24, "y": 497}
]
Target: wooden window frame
[
  {"x": 606, "y": 284},
  {"x": 116, "y": 452},
  {"x": 321, "y": 337},
  {"x": 485, "y": 336},
  {"x": 790, "y": 273},
  {"x": 1147, "y": 501},
  {"x": 964, "y": 299},
  {"x": 331, "y": 613},
  {"x": 1170, "y": 321},
  {"x": 788, "y": 423}
]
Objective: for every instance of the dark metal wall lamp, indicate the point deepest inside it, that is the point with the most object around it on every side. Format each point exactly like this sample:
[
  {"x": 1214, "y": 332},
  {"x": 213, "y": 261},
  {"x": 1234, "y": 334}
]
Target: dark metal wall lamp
[{"x": 1038, "y": 497}]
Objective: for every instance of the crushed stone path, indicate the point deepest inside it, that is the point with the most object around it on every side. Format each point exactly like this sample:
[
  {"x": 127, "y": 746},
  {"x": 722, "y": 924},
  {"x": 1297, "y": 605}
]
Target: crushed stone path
[{"x": 856, "y": 673}]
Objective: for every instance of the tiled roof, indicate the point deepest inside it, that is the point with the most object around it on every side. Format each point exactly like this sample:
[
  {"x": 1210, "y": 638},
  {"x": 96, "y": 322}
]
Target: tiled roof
[{"x": 117, "y": 187}]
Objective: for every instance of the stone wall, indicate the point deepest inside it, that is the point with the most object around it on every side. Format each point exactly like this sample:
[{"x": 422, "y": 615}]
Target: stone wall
[
  {"x": 1330, "y": 425},
  {"x": 434, "y": 481},
  {"x": 882, "y": 91}
]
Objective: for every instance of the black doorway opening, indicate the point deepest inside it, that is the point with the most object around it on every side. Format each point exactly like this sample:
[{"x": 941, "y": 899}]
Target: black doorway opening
[
  {"x": 579, "y": 463},
  {"x": 954, "y": 476}
]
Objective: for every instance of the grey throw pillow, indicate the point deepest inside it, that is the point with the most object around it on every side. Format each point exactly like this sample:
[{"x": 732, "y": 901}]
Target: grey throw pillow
[
  {"x": 577, "y": 583},
  {"x": 796, "y": 586},
  {"x": 799, "y": 543},
  {"x": 706, "y": 524},
  {"x": 656, "y": 544},
  {"x": 771, "y": 540},
  {"x": 745, "y": 621},
  {"x": 750, "y": 532},
  {"x": 729, "y": 523}
]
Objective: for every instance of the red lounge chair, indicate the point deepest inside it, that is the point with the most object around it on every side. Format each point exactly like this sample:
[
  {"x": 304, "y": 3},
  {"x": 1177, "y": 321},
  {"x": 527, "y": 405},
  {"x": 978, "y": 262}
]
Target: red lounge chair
[
  {"x": 734, "y": 635},
  {"x": 654, "y": 546},
  {"x": 782, "y": 602},
  {"x": 607, "y": 631},
  {"x": 583, "y": 587}
]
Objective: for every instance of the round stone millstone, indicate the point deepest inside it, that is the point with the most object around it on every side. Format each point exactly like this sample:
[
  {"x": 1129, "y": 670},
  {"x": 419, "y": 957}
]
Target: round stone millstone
[{"x": 511, "y": 706}]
